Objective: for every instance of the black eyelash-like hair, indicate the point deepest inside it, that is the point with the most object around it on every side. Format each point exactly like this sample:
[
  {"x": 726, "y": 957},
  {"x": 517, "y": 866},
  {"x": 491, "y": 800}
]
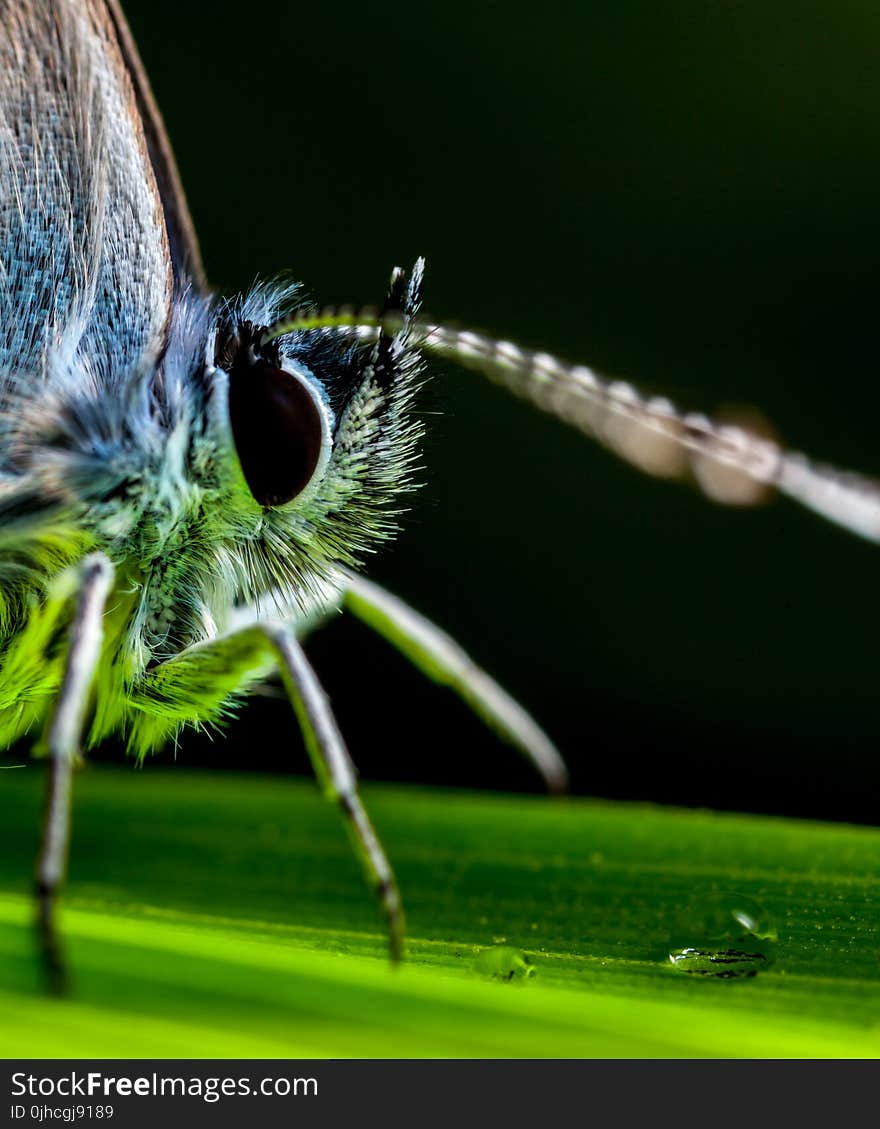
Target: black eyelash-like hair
[{"x": 338, "y": 361}]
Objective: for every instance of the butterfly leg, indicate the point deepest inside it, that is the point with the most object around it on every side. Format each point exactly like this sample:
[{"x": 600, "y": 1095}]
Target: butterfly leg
[
  {"x": 440, "y": 658},
  {"x": 234, "y": 660},
  {"x": 61, "y": 744},
  {"x": 337, "y": 775}
]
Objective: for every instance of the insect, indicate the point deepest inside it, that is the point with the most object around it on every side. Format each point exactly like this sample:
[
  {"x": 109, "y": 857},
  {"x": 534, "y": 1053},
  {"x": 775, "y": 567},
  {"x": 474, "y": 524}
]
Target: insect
[{"x": 189, "y": 485}]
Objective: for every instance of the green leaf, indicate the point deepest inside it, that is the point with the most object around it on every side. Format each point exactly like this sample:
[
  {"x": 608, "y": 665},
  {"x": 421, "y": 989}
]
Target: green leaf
[{"x": 223, "y": 915}]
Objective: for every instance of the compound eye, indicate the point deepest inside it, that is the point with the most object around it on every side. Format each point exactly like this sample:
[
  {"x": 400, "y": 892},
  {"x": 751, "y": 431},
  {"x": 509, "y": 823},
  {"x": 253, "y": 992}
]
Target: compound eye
[{"x": 280, "y": 431}]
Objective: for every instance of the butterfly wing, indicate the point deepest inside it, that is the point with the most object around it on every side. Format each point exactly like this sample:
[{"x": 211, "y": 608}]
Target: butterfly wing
[
  {"x": 86, "y": 274},
  {"x": 186, "y": 258}
]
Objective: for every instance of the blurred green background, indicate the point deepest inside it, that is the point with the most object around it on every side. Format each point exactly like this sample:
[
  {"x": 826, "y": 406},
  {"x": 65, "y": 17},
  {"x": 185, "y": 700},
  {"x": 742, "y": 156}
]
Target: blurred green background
[{"x": 682, "y": 194}]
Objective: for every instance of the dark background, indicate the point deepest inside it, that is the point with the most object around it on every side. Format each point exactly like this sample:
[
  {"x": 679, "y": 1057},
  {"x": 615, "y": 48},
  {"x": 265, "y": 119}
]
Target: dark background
[{"x": 684, "y": 194}]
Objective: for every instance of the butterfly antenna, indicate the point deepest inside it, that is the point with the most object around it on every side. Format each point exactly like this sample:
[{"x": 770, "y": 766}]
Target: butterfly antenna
[{"x": 731, "y": 464}]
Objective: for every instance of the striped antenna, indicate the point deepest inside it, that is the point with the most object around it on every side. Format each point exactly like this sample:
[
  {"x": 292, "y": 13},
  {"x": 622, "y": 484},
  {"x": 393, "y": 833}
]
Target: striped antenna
[{"x": 731, "y": 464}]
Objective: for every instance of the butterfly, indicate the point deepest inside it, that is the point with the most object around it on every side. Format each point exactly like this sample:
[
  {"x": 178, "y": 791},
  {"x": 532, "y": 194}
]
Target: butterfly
[{"x": 190, "y": 485}]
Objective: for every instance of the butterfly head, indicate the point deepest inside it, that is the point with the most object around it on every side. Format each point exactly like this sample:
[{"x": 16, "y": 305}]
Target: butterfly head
[{"x": 317, "y": 436}]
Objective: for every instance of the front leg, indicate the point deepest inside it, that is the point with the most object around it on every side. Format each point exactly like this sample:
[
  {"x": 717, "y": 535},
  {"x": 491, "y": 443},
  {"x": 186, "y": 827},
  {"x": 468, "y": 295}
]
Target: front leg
[
  {"x": 440, "y": 658},
  {"x": 174, "y": 689},
  {"x": 61, "y": 743},
  {"x": 336, "y": 772}
]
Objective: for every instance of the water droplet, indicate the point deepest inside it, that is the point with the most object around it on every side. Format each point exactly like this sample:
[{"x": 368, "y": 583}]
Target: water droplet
[
  {"x": 725, "y": 936},
  {"x": 503, "y": 962},
  {"x": 723, "y": 964}
]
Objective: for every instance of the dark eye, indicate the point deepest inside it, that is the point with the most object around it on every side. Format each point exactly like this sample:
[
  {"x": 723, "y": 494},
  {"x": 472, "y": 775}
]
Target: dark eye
[{"x": 279, "y": 429}]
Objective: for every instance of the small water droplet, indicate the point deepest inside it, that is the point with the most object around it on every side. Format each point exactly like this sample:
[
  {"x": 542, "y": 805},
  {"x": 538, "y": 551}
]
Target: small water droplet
[
  {"x": 725, "y": 936},
  {"x": 723, "y": 964},
  {"x": 504, "y": 962}
]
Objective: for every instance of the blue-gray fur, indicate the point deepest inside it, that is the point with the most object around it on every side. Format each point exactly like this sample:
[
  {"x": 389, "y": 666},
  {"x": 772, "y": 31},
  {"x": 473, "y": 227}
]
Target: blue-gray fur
[{"x": 85, "y": 283}]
